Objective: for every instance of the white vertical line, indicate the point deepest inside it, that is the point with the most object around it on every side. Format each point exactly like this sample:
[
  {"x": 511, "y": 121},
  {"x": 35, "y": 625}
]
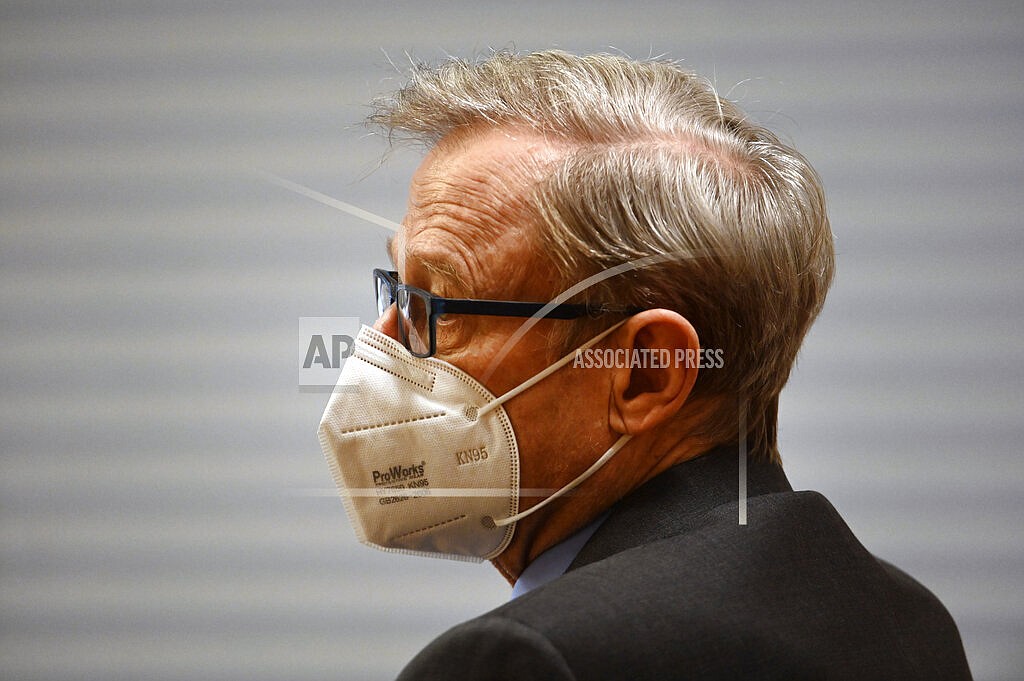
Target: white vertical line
[{"x": 743, "y": 463}]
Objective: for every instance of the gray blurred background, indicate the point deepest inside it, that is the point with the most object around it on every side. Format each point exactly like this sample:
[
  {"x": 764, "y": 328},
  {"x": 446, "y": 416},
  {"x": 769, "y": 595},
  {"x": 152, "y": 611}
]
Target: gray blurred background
[{"x": 165, "y": 512}]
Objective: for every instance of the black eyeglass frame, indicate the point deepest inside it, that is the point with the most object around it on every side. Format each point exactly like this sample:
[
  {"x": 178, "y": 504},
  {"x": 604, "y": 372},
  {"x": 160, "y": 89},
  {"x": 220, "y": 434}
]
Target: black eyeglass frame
[{"x": 436, "y": 306}]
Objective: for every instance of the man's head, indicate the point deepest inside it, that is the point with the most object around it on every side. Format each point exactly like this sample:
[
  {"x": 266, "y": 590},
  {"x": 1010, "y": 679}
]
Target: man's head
[
  {"x": 621, "y": 160},
  {"x": 547, "y": 169}
]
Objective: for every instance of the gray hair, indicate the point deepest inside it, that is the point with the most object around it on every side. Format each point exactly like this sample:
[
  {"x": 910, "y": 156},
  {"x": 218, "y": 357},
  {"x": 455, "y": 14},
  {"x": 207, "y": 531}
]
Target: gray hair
[{"x": 651, "y": 161}]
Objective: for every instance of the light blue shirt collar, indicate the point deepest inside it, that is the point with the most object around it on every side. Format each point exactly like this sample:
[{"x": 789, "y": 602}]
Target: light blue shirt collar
[{"x": 553, "y": 563}]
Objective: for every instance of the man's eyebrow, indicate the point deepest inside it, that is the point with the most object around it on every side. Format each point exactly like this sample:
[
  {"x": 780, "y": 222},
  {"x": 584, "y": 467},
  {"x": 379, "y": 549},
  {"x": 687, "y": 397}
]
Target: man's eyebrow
[
  {"x": 437, "y": 266},
  {"x": 391, "y": 253},
  {"x": 448, "y": 278},
  {"x": 444, "y": 269}
]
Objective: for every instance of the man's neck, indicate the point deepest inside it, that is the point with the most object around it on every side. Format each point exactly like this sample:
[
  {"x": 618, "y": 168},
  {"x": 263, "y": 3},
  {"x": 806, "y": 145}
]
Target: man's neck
[
  {"x": 553, "y": 563},
  {"x": 548, "y": 527}
]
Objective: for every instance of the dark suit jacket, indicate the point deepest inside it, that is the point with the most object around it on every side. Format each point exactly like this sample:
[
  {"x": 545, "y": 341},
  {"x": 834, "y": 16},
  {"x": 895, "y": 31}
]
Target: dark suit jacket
[{"x": 672, "y": 587}]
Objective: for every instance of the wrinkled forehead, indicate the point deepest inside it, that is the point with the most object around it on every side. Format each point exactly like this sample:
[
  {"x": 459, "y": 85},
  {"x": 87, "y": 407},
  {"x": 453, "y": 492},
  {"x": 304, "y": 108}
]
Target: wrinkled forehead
[
  {"x": 493, "y": 165},
  {"x": 468, "y": 215}
]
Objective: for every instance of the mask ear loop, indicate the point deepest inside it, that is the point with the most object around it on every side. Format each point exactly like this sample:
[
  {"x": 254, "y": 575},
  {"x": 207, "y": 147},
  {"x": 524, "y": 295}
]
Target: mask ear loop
[
  {"x": 619, "y": 444},
  {"x": 529, "y": 383}
]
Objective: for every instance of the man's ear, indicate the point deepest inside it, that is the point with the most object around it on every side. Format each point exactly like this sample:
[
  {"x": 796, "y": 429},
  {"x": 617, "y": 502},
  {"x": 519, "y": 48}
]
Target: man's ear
[{"x": 658, "y": 373}]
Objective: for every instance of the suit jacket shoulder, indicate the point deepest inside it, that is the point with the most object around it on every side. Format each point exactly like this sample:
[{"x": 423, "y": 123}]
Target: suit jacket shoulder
[{"x": 672, "y": 587}]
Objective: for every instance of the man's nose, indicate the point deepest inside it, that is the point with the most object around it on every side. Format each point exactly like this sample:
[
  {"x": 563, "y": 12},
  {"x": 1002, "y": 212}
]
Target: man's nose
[{"x": 387, "y": 323}]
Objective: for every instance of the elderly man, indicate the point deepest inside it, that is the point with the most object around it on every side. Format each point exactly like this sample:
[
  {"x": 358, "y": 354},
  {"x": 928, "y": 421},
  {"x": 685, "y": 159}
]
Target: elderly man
[{"x": 599, "y": 290}]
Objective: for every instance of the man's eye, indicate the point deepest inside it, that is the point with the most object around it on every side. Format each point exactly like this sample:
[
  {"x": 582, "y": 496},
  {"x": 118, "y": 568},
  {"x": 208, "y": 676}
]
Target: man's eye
[{"x": 446, "y": 320}]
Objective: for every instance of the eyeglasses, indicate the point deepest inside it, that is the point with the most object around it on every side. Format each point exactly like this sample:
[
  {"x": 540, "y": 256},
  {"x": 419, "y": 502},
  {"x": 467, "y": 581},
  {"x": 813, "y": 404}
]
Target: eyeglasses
[{"x": 418, "y": 310}]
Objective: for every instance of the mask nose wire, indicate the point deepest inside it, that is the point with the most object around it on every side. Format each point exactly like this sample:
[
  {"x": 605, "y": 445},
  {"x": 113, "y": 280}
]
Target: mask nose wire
[
  {"x": 534, "y": 380},
  {"x": 619, "y": 444}
]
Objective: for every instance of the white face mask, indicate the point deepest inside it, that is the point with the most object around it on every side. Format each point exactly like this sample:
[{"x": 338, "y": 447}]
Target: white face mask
[{"x": 424, "y": 456}]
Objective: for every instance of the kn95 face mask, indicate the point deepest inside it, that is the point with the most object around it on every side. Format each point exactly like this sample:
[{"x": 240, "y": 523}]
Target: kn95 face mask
[{"x": 424, "y": 456}]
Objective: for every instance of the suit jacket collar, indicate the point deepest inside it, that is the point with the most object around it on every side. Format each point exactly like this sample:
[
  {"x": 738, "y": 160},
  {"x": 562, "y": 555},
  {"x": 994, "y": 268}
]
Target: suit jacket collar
[{"x": 674, "y": 501}]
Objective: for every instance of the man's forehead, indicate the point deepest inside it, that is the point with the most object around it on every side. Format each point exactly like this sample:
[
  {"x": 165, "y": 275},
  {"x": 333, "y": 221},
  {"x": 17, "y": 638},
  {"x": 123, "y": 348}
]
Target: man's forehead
[
  {"x": 466, "y": 210},
  {"x": 475, "y": 162}
]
